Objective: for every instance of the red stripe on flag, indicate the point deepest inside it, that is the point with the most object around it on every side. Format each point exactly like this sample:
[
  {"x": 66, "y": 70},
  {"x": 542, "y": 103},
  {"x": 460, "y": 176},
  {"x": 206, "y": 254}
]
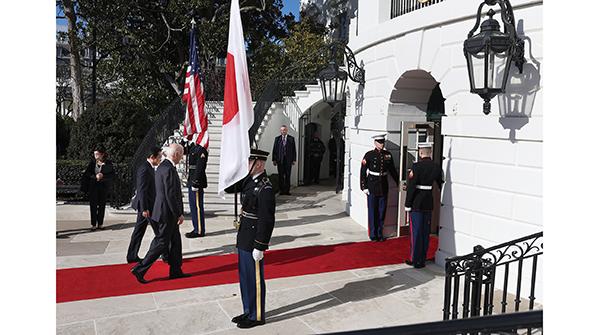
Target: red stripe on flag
[{"x": 230, "y": 97}]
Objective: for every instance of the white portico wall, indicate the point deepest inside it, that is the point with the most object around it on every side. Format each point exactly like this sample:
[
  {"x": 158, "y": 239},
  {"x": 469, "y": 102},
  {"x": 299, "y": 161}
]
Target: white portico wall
[{"x": 493, "y": 164}]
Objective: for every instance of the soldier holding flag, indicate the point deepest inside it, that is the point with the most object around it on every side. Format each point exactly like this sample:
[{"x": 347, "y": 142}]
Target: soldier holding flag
[
  {"x": 196, "y": 130},
  {"x": 245, "y": 167}
]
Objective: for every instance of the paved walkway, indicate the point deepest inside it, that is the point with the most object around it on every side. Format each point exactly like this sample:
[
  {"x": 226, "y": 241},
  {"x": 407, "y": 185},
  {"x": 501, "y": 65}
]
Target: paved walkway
[{"x": 320, "y": 303}]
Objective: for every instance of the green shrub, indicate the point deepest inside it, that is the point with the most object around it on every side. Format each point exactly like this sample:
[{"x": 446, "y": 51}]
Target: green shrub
[{"x": 117, "y": 125}]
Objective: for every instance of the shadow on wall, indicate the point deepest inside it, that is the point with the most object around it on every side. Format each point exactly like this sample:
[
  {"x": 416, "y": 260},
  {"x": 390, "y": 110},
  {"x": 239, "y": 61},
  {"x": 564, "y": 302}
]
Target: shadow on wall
[
  {"x": 516, "y": 105},
  {"x": 447, "y": 210},
  {"x": 359, "y": 105}
]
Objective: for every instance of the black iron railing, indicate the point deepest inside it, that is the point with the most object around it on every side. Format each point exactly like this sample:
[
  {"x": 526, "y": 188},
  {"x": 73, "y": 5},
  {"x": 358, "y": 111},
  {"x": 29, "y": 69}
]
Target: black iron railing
[
  {"x": 401, "y": 7},
  {"x": 504, "y": 324},
  {"x": 486, "y": 272}
]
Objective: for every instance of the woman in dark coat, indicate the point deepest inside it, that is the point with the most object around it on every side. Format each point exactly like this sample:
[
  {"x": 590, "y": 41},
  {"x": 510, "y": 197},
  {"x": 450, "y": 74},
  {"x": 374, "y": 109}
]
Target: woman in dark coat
[{"x": 96, "y": 181}]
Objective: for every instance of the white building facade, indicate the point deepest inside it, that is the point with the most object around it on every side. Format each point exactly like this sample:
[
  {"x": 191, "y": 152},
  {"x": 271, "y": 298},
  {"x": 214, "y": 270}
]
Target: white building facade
[{"x": 492, "y": 164}]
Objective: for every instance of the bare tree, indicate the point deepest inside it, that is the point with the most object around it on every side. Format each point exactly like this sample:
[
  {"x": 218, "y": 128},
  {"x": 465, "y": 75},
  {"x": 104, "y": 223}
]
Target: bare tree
[{"x": 75, "y": 60}]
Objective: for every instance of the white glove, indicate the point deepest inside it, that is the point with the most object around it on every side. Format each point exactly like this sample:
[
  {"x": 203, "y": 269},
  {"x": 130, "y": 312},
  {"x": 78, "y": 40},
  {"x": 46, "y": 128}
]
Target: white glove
[
  {"x": 257, "y": 254},
  {"x": 407, "y": 209},
  {"x": 367, "y": 192},
  {"x": 194, "y": 189}
]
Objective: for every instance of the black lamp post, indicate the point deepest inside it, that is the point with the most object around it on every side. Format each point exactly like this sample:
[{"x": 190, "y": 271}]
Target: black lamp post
[{"x": 490, "y": 53}]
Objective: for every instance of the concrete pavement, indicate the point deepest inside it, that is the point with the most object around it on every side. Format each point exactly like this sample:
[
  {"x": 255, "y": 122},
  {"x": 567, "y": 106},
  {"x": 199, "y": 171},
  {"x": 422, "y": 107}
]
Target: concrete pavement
[{"x": 319, "y": 303}]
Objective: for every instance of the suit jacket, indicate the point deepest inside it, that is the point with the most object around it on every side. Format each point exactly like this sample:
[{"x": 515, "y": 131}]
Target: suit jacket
[
  {"x": 290, "y": 152},
  {"x": 145, "y": 188},
  {"x": 168, "y": 194},
  {"x": 89, "y": 181},
  {"x": 198, "y": 157}
]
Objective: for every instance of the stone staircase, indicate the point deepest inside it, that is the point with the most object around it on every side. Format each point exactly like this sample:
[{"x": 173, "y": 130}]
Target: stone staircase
[
  {"x": 292, "y": 107},
  {"x": 214, "y": 205}
]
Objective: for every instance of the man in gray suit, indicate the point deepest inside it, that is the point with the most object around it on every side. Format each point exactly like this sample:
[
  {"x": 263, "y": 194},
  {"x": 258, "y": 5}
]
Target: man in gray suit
[{"x": 168, "y": 212}]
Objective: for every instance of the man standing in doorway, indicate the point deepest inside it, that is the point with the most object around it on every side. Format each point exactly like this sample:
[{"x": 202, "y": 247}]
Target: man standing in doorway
[
  {"x": 284, "y": 155},
  {"x": 423, "y": 176},
  {"x": 317, "y": 150},
  {"x": 376, "y": 165},
  {"x": 332, "y": 150}
]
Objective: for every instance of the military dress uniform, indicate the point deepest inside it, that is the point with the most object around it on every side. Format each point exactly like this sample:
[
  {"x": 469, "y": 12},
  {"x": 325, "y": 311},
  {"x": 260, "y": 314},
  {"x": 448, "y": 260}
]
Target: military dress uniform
[
  {"x": 197, "y": 182},
  {"x": 257, "y": 220},
  {"x": 375, "y": 167},
  {"x": 420, "y": 203},
  {"x": 316, "y": 150}
]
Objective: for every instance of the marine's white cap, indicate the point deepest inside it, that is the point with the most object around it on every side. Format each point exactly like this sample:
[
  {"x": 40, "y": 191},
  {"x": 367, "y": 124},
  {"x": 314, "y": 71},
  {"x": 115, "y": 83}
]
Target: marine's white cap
[
  {"x": 379, "y": 137},
  {"x": 424, "y": 145}
]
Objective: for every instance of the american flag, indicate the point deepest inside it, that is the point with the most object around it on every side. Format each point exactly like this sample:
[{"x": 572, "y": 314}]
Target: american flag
[{"x": 195, "y": 123}]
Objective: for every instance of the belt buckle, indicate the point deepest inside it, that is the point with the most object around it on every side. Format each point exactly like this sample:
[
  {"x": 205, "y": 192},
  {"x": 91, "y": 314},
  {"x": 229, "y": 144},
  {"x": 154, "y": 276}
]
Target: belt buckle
[{"x": 236, "y": 224}]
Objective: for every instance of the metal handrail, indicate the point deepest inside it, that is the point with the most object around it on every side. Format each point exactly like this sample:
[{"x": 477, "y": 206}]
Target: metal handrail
[
  {"x": 491, "y": 324},
  {"x": 478, "y": 273}
]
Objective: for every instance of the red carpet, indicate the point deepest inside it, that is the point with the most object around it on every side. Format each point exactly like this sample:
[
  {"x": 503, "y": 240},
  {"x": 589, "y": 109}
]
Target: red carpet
[{"x": 116, "y": 280}]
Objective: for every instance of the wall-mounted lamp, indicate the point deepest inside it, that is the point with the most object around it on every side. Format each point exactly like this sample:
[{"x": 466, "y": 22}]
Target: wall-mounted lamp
[
  {"x": 333, "y": 79},
  {"x": 490, "y": 53}
]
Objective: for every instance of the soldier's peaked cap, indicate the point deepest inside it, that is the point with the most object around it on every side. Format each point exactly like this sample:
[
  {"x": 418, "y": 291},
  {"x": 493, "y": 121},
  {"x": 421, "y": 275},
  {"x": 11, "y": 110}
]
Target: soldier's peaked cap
[
  {"x": 380, "y": 137},
  {"x": 257, "y": 154},
  {"x": 424, "y": 145}
]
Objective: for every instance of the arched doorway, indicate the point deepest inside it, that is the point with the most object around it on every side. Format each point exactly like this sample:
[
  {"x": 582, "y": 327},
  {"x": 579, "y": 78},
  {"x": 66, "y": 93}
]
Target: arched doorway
[
  {"x": 317, "y": 119},
  {"x": 415, "y": 110}
]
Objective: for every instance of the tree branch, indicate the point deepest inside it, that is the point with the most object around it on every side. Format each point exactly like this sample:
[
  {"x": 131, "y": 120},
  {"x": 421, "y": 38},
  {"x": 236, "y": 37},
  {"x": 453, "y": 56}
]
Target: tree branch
[
  {"x": 169, "y": 29},
  {"x": 242, "y": 9}
]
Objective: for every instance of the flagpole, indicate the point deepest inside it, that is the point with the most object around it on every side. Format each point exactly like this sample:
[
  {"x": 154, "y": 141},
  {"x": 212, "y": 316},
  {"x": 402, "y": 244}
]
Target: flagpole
[{"x": 235, "y": 206}]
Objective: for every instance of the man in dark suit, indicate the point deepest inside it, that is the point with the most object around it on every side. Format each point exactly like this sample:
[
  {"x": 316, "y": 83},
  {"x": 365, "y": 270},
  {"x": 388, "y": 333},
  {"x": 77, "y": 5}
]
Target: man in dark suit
[
  {"x": 317, "y": 150},
  {"x": 96, "y": 181},
  {"x": 168, "y": 212},
  {"x": 197, "y": 182},
  {"x": 257, "y": 221},
  {"x": 284, "y": 155},
  {"x": 143, "y": 202}
]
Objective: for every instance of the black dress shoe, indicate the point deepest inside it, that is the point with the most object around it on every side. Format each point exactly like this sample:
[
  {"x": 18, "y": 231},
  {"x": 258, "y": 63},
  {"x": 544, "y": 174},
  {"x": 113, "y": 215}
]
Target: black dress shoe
[
  {"x": 138, "y": 276},
  {"x": 93, "y": 228},
  {"x": 408, "y": 262},
  {"x": 419, "y": 266},
  {"x": 192, "y": 234},
  {"x": 382, "y": 239},
  {"x": 239, "y": 318},
  {"x": 100, "y": 228},
  {"x": 247, "y": 323},
  {"x": 136, "y": 260},
  {"x": 178, "y": 275}
]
